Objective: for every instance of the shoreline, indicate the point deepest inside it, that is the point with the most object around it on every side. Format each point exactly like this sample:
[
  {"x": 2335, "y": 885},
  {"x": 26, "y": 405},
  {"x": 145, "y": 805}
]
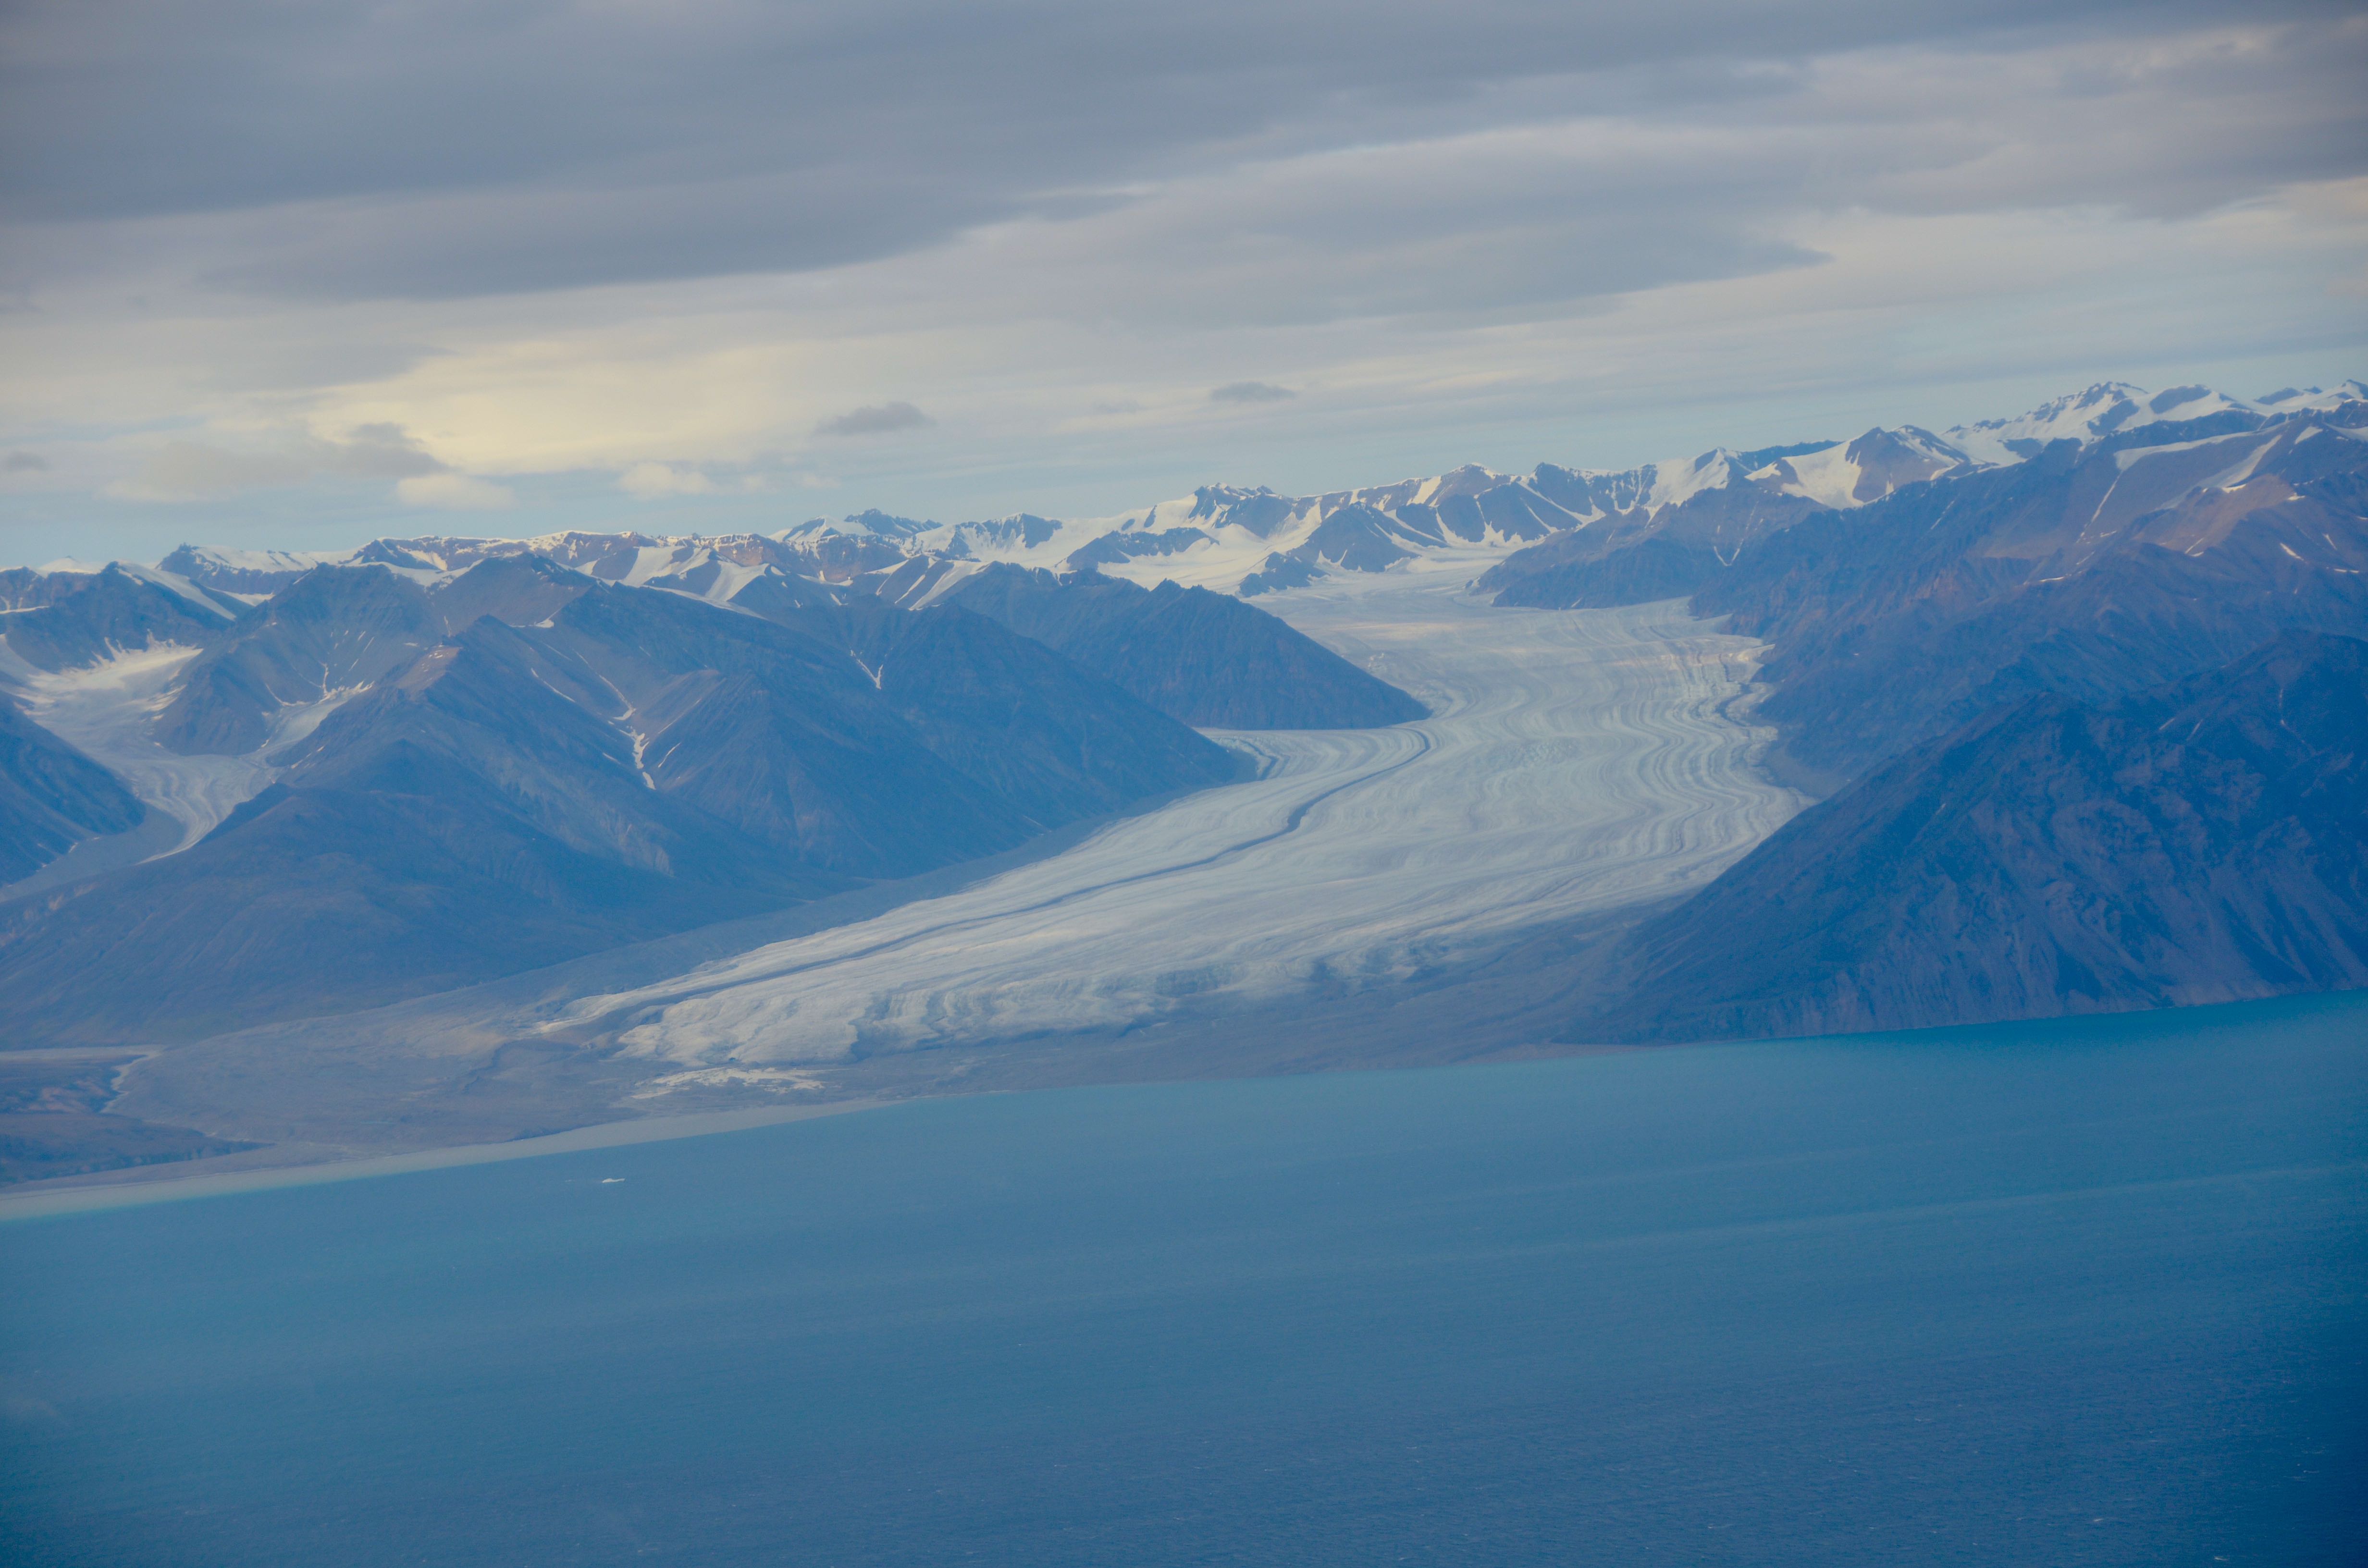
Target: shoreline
[
  {"x": 98, "y": 1193},
  {"x": 162, "y": 1183}
]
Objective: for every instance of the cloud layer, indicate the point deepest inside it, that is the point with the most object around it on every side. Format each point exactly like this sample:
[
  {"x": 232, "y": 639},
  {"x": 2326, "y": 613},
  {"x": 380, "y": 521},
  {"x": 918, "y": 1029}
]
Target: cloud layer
[
  {"x": 573, "y": 255},
  {"x": 878, "y": 419}
]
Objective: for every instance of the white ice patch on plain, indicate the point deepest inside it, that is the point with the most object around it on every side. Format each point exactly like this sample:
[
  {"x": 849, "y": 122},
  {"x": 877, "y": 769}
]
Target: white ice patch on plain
[
  {"x": 108, "y": 712},
  {"x": 1580, "y": 760}
]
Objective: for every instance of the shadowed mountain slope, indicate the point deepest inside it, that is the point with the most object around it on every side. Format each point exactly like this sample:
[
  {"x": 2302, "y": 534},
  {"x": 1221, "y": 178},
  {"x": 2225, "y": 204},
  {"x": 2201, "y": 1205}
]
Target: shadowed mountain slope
[
  {"x": 629, "y": 763},
  {"x": 459, "y": 821},
  {"x": 2092, "y": 571},
  {"x": 51, "y": 797},
  {"x": 1631, "y": 551},
  {"x": 872, "y": 740},
  {"x": 1205, "y": 658},
  {"x": 2206, "y": 841},
  {"x": 1008, "y": 711},
  {"x": 85, "y": 617},
  {"x": 333, "y": 629}
]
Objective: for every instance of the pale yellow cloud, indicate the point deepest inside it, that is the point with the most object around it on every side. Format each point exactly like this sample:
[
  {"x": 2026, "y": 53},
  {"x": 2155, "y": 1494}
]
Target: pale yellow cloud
[
  {"x": 651, "y": 479},
  {"x": 454, "y": 492}
]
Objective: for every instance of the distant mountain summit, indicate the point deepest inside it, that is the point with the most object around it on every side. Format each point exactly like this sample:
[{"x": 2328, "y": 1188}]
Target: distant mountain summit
[
  {"x": 2111, "y": 407},
  {"x": 1545, "y": 539}
]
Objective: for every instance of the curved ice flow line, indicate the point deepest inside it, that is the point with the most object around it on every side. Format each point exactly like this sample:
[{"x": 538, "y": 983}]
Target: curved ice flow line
[
  {"x": 106, "y": 711},
  {"x": 743, "y": 975},
  {"x": 1577, "y": 761}
]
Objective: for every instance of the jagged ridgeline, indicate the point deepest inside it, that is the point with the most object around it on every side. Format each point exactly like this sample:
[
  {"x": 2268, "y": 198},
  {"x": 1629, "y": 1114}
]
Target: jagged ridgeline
[
  {"x": 245, "y": 785},
  {"x": 397, "y": 774}
]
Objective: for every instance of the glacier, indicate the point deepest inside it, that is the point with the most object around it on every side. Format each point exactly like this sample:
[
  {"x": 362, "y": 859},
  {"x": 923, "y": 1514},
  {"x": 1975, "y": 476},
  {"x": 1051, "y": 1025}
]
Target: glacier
[
  {"x": 1578, "y": 761},
  {"x": 107, "y": 710}
]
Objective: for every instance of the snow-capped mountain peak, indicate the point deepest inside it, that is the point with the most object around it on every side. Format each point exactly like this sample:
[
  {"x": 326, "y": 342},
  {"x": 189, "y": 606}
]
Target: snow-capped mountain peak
[
  {"x": 2292, "y": 399},
  {"x": 1852, "y": 473},
  {"x": 1251, "y": 538},
  {"x": 2110, "y": 407},
  {"x": 870, "y": 523}
]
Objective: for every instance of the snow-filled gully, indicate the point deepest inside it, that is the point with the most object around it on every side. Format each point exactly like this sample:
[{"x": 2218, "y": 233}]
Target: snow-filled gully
[{"x": 1577, "y": 761}]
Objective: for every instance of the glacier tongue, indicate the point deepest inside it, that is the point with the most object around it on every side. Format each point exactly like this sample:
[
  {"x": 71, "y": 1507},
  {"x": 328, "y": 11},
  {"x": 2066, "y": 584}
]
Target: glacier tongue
[
  {"x": 1580, "y": 761},
  {"x": 106, "y": 710}
]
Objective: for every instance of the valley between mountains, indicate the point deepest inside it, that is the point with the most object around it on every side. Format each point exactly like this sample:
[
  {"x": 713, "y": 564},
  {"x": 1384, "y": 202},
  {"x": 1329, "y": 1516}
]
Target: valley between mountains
[
  {"x": 1576, "y": 765},
  {"x": 449, "y": 841}
]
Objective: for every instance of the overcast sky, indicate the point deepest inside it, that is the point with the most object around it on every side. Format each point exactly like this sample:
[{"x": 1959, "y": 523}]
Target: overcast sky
[{"x": 297, "y": 276}]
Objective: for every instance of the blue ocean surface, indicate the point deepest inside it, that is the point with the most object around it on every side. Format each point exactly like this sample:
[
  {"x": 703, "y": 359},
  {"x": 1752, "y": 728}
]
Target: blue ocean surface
[{"x": 2065, "y": 1293}]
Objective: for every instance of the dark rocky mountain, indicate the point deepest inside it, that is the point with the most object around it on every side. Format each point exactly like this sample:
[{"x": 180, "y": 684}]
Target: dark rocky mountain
[
  {"x": 1191, "y": 660},
  {"x": 1111, "y": 548},
  {"x": 1008, "y": 711},
  {"x": 334, "y": 627},
  {"x": 85, "y": 616},
  {"x": 458, "y": 822},
  {"x": 581, "y": 765},
  {"x": 1207, "y": 659},
  {"x": 1630, "y": 551},
  {"x": 30, "y": 587},
  {"x": 1636, "y": 558},
  {"x": 2204, "y": 841},
  {"x": 518, "y": 590},
  {"x": 2091, "y": 566},
  {"x": 791, "y": 732},
  {"x": 1276, "y": 574},
  {"x": 51, "y": 797},
  {"x": 2092, "y": 571}
]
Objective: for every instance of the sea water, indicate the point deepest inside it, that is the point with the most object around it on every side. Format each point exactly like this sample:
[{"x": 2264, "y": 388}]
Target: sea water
[{"x": 2064, "y": 1293}]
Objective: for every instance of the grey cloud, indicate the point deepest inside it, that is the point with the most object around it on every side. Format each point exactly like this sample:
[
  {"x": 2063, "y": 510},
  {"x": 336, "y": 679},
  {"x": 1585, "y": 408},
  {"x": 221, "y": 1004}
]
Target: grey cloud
[
  {"x": 879, "y": 420},
  {"x": 1523, "y": 221},
  {"x": 1469, "y": 231},
  {"x": 377, "y": 451},
  {"x": 453, "y": 244},
  {"x": 2164, "y": 126},
  {"x": 453, "y": 148},
  {"x": 25, "y": 462},
  {"x": 1250, "y": 392},
  {"x": 192, "y": 471}
]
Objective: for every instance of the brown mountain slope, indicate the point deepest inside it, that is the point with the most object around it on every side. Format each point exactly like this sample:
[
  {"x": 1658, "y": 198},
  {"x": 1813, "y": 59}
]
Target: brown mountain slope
[{"x": 2203, "y": 842}]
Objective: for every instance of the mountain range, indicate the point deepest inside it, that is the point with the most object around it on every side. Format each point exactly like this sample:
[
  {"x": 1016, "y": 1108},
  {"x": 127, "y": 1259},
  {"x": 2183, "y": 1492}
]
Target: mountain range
[
  {"x": 390, "y": 779},
  {"x": 1251, "y": 540},
  {"x": 2082, "y": 691}
]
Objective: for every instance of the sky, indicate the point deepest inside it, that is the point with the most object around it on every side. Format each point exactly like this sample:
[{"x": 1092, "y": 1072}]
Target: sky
[{"x": 298, "y": 276}]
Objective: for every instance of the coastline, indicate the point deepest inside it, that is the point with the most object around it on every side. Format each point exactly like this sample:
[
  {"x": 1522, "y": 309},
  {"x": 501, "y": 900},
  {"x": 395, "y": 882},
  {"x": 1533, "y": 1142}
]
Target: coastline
[
  {"x": 98, "y": 1194},
  {"x": 160, "y": 1183}
]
